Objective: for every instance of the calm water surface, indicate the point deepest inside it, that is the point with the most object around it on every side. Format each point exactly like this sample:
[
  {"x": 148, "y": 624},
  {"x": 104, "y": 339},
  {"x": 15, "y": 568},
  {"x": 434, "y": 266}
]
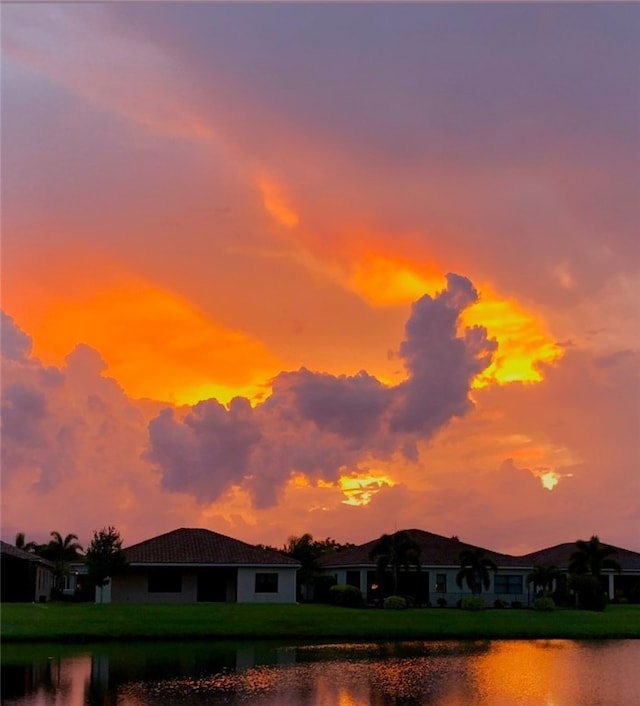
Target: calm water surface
[{"x": 452, "y": 673}]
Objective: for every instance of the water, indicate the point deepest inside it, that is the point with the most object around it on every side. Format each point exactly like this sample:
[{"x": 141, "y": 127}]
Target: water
[{"x": 449, "y": 673}]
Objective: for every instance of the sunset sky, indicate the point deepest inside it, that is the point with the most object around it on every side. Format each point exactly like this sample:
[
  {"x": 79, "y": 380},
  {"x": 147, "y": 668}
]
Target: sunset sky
[{"x": 332, "y": 268}]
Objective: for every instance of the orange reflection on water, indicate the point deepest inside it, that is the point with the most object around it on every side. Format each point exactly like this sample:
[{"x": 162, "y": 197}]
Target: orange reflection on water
[
  {"x": 64, "y": 682},
  {"x": 518, "y": 672}
]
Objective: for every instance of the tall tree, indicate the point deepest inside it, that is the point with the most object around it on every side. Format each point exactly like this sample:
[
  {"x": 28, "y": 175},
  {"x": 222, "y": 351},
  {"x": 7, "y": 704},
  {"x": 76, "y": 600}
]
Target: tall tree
[
  {"x": 592, "y": 557},
  {"x": 475, "y": 566},
  {"x": 588, "y": 561},
  {"x": 105, "y": 557},
  {"x": 394, "y": 552}
]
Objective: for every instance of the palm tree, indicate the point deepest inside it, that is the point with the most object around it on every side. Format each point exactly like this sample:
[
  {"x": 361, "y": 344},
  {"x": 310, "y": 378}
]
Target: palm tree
[
  {"x": 593, "y": 558},
  {"x": 61, "y": 551},
  {"x": 474, "y": 570},
  {"x": 544, "y": 576},
  {"x": 396, "y": 551}
]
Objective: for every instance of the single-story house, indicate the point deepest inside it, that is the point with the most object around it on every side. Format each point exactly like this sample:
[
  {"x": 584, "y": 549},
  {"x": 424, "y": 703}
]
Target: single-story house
[
  {"x": 26, "y": 577},
  {"x": 440, "y": 563},
  {"x": 618, "y": 584},
  {"x": 198, "y": 565}
]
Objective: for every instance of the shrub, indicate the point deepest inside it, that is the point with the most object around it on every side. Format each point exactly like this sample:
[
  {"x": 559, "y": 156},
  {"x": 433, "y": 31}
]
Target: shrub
[
  {"x": 516, "y": 604},
  {"x": 442, "y": 602},
  {"x": 544, "y": 603},
  {"x": 343, "y": 595},
  {"x": 395, "y": 603},
  {"x": 472, "y": 603},
  {"x": 499, "y": 603}
]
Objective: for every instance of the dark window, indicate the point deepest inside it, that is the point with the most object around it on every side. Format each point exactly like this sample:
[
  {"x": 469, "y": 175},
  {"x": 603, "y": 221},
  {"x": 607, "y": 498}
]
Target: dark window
[
  {"x": 353, "y": 579},
  {"x": 165, "y": 580},
  {"x": 266, "y": 583},
  {"x": 509, "y": 583},
  {"x": 441, "y": 583}
]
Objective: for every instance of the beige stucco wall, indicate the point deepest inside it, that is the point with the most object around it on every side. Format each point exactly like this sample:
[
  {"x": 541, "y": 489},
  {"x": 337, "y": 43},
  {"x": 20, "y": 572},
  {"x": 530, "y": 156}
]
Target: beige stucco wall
[
  {"x": 286, "y": 586},
  {"x": 132, "y": 587}
]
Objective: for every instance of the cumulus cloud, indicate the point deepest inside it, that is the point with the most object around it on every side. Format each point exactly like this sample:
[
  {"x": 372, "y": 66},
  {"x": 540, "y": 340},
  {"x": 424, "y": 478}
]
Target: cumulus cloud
[
  {"x": 72, "y": 438},
  {"x": 317, "y": 424}
]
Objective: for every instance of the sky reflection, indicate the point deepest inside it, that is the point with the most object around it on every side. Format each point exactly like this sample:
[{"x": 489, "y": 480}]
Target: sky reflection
[{"x": 522, "y": 673}]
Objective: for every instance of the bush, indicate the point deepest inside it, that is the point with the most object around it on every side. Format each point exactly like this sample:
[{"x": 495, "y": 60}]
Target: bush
[
  {"x": 442, "y": 602},
  {"x": 516, "y": 604},
  {"x": 544, "y": 603},
  {"x": 395, "y": 603},
  {"x": 499, "y": 603},
  {"x": 348, "y": 596},
  {"x": 472, "y": 603}
]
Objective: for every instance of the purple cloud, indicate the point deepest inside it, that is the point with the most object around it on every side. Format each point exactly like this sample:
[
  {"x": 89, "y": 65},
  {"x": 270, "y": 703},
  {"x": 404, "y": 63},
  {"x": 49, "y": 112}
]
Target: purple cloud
[{"x": 317, "y": 424}]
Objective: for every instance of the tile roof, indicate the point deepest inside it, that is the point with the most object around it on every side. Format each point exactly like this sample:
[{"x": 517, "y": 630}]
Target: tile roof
[
  {"x": 435, "y": 550},
  {"x": 202, "y": 546},
  {"x": 10, "y": 550},
  {"x": 560, "y": 554}
]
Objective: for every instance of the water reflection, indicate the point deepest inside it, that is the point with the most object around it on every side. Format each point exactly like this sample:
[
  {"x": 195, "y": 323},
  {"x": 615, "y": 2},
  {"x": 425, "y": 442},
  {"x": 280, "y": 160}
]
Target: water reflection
[{"x": 452, "y": 673}]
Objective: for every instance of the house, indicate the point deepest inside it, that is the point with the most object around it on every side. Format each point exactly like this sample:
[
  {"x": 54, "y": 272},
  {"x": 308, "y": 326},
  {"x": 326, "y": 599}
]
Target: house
[
  {"x": 26, "y": 577},
  {"x": 198, "y": 565},
  {"x": 617, "y": 584},
  {"x": 435, "y": 583},
  {"x": 436, "y": 580}
]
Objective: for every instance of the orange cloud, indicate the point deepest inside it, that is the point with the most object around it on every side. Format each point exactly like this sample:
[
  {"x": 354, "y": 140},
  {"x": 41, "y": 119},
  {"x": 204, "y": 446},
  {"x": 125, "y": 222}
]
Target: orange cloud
[
  {"x": 523, "y": 341},
  {"x": 276, "y": 201},
  {"x": 156, "y": 344}
]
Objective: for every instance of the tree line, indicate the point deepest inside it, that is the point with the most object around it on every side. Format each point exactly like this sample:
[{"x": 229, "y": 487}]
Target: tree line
[{"x": 103, "y": 558}]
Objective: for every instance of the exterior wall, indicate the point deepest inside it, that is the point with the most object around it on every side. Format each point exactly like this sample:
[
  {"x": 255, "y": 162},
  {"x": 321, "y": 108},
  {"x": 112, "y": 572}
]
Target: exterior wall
[
  {"x": 132, "y": 587},
  {"x": 451, "y": 593},
  {"x": 247, "y": 584},
  {"x": 43, "y": 583}
]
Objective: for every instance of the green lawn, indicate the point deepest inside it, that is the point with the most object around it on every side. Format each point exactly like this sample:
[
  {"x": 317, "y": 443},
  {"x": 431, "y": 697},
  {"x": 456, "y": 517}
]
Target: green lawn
[{"x": 88, "y": 622}]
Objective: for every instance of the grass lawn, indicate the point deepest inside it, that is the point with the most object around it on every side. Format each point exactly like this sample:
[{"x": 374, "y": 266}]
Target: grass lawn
[{"x": 73, "y": 622}]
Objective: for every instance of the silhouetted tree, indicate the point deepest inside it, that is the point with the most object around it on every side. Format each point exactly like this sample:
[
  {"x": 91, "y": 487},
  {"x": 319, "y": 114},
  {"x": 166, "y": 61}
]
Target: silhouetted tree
[
  {"x": 588, "y": 561},
  {"x": 105, "y": 557},
  {"x": 592, "y": 557},
  {"x": 61, "y": 551},
  {"x": 394, "y": 552},
  {"x": 543, "y": 577},
  {"x": 308, "y": 551},
  {"x": 474, "y": 570},
  {"x": 21, "y": 543}
]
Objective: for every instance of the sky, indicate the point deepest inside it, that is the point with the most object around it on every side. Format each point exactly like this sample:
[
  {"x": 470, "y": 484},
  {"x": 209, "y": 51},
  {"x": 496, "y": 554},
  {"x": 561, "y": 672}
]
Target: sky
[{"x": 333, "y": 268}]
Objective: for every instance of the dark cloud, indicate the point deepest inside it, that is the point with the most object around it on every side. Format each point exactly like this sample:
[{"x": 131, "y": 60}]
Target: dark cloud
[
  {"x": 317, "y": 424},
  {"x": 441, "y": 365}
]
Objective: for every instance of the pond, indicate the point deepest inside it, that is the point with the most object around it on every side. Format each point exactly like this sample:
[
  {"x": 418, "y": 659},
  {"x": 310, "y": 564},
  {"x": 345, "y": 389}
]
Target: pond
[{"x": 448, "y": 673}]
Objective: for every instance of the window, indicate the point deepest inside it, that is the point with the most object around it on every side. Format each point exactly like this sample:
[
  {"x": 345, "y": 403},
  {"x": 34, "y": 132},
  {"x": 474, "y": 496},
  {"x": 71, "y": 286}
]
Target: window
[
  {"x": 509, "y": 584},
  {"x": 164, "y": 580},
  {"x": 266, "y": 583},
  {"x": 441, "y": 583},
  {"x": 353, "y": 579}
]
